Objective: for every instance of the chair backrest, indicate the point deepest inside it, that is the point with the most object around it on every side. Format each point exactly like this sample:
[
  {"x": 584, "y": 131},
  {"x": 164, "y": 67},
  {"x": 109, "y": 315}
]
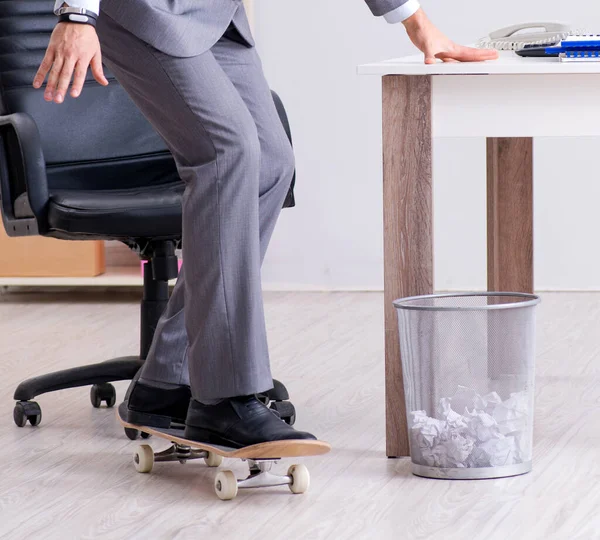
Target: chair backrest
[{"x": 87, "y": 140}]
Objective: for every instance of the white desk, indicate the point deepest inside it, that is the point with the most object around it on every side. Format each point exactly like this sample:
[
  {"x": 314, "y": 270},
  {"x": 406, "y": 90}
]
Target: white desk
[{"x": 509, "y": 102}]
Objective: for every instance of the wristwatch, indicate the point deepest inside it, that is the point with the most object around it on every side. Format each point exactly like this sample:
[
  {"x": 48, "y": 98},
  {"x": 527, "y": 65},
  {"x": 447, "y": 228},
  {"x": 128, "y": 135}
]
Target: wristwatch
[
  {"x": 76, "y": 11},
  {"x": 76, "y": 15}
]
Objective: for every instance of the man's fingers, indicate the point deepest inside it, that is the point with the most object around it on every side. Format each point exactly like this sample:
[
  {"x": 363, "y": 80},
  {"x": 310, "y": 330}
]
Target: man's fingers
[
  {"x": 53, "y": 78},
  {"x": 429, "y": 56},
  {"x": 72, "y": 49},
  {"x": 45, "y": 66},
  {"x": 81, "y": 72},
  {"x": 97, "y": 70},
  {"x": 64, "y": 80},
  {"x": 79, "y": 78},
  {"x": 468, "y": 54}
]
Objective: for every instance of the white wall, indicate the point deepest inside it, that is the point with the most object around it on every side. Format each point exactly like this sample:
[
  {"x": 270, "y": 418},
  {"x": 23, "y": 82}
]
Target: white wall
[{"x": 333, "y": 239}]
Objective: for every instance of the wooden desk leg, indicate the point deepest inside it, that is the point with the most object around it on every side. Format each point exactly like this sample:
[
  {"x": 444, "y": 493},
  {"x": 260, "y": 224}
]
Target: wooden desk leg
[
  {"x": 408, "y": 224},
  {"x": 510, "y": 214}
]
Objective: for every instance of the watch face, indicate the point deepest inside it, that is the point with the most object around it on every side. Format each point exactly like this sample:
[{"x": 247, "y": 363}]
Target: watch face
[
  {"x": 71, "y": 10},
  {"x": 75, "y": 14}
]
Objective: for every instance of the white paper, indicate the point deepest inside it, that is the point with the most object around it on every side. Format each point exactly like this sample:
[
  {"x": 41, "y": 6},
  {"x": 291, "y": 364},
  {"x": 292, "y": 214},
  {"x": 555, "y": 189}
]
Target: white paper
[{"x": 472, "y": 430}]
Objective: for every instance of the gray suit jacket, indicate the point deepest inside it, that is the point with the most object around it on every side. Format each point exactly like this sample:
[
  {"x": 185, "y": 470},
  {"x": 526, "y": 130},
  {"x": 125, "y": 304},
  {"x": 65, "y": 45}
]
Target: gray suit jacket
[
  {"x": 381, "y": 7},
  {"x": 191, "y": 27}
]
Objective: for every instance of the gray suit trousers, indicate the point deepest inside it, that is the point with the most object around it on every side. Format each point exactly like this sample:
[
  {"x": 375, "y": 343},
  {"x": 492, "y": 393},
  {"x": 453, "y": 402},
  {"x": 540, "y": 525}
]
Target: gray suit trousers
[{"x": 216, "y": 114}]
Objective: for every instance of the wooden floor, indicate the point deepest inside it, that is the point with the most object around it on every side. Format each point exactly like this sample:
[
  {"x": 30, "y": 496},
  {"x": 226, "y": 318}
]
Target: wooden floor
[{"x": 73, "y": 477}]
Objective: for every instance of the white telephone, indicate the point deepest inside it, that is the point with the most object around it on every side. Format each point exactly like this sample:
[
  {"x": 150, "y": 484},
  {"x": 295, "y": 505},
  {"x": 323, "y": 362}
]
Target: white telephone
[{"x": 518, "y": 36}]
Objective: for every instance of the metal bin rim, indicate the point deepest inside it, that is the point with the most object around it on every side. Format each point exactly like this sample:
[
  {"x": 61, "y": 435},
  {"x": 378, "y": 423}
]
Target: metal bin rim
[{"x": 529, "y": 300}]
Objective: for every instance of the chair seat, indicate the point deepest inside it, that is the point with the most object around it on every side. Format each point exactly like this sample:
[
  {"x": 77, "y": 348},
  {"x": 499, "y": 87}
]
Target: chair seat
[{"x": 142, "y": 212}]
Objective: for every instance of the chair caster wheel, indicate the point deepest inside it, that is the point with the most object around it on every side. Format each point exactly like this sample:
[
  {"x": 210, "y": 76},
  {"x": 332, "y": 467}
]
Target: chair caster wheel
[
  {"x": 278, "y": 392},
  {"x": 286, "y": 411},
  {"x": 132, "y": 434},
  {"x": 103, "y": 392},
  {"x": 25, "y": 411}
]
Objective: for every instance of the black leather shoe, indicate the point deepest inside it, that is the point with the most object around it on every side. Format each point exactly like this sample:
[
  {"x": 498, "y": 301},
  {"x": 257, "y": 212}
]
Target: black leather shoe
[
  {"x": 157, "y": 407},
  {"x": 236, "y": 423}
]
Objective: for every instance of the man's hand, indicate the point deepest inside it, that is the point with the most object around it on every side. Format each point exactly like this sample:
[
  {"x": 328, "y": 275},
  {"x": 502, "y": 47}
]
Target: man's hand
[
  {"x": 72, "y": 48},
  {"x": 429, "y": 40}
]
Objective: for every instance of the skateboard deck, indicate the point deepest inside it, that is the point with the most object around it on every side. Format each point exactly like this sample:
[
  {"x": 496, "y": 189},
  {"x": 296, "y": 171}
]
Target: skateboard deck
[{"x": 260, "y": 457}]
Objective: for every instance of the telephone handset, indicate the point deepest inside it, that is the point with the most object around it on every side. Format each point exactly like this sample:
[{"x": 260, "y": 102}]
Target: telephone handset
[{"x": 513, "y": 38}]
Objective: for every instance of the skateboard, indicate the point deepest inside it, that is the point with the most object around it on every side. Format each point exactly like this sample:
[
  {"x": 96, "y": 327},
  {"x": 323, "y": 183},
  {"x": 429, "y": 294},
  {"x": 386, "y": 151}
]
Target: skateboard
[{"x": 260, "y": 458}]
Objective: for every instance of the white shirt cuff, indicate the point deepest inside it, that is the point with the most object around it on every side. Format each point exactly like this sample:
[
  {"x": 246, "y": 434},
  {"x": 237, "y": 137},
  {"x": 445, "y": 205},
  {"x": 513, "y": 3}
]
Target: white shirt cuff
[
  {"x": 403, "y": 12},
  {"x": 90, "y": 5}
]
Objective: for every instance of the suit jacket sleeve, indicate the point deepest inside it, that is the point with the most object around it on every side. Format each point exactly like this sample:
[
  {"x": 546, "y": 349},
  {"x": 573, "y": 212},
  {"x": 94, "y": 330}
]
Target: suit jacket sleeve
[{"x": 381, "y": 7}]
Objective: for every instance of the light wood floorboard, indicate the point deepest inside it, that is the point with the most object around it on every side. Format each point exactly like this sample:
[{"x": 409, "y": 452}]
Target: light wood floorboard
[{"x": 72, "y": 477}]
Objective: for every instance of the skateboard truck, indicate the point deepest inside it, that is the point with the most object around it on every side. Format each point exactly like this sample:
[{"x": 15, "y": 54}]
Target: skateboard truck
[
  {"x": 226, "y": 483},
  {"x": 260, "y": 476},
  {"x": 179, "y": 453},
  {"x": 145, "y": 457}
]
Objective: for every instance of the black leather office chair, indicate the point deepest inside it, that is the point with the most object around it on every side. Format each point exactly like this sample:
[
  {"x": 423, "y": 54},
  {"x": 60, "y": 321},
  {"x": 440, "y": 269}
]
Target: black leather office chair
[{"x": 89, "y": 168}]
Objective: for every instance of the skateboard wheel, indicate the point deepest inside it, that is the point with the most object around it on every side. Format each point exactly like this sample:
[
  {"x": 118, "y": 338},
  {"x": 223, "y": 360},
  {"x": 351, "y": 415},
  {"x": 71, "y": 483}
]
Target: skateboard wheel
[
  {"x": 226, "y": 486},
  {"x": 213, "y": 460},
  {"x": 144, "y": 458},
  {"x": 300, "y": 478}
]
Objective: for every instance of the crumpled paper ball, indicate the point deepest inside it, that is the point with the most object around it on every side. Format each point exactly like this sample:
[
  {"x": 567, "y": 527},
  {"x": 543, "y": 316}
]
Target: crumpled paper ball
[{"x": 473, "y": 431}]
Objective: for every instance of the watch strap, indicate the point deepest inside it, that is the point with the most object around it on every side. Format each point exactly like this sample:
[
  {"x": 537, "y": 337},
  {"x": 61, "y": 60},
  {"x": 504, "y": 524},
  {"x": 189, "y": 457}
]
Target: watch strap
[{"x": 77, "y": 18}]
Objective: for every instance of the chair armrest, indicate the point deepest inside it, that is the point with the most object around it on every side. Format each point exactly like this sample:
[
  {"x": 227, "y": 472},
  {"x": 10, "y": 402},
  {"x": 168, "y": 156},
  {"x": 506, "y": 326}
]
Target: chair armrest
[
  {"x": 290, "y": 200},
  {"x": 22, "y": 172}
]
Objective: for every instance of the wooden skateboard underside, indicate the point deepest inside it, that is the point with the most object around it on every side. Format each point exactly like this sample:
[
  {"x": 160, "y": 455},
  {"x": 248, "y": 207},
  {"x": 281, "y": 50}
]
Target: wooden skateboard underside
[{"x": 270, "y": 450}]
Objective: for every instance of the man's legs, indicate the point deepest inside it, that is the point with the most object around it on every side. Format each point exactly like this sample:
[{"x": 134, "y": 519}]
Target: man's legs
[
  {"x": 166, "y": 365},
  {"x": 167, "y": 359},
  {"x": 215, "y": 141}
]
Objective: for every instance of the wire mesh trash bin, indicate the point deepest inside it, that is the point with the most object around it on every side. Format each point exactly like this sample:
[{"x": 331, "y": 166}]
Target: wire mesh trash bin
[{"x": 468, "y": 362}]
